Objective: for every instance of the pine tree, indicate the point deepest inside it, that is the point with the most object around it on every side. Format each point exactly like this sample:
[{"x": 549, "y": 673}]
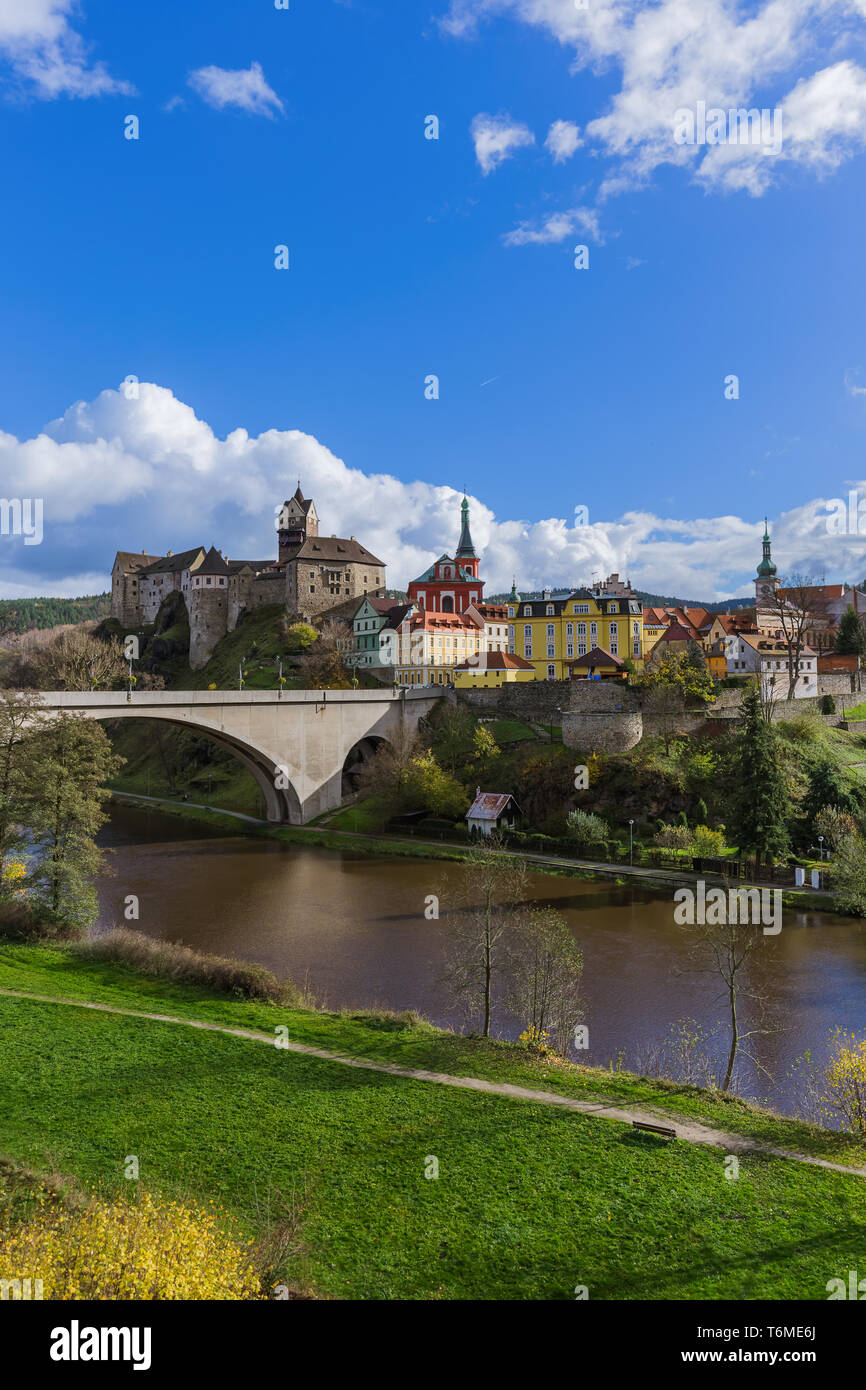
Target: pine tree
[
  {"x": 850, "y": 637},
  {"x": 760, "y": 805}
]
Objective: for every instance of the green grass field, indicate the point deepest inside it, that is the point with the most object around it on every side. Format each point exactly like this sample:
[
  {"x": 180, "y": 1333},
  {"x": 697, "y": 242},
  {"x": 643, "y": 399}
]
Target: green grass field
[{"x": 530, "y": 1201}]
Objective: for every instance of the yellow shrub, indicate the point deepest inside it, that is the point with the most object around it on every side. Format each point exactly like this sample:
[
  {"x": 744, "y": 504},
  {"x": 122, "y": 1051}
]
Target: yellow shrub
[
  {"x": 845, "y": 1082},
  {"x": 149, "y": 1248}
]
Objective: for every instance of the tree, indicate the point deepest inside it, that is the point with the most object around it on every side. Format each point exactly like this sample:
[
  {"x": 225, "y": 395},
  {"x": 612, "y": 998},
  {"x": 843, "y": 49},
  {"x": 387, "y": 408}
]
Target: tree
[
  {"x": 729, "y": 944},
  {"x": 834, "y": 825},
  {"x": 759, "y": 803},
  {"x": 20, "y": 717},
  {"x": 797, "y": 608},
  {"x": 71, "y": 759},
  {"x": 826, "y": 788},
  {"x": 384, "y": 777},
  {"x": 452, "y": 733},
  {"x": 430, "y": 788},
  {"x": 477, "y": 954},
  {"x": 587, "y": 829},
  {"x": 76, "y": 660},
  {"x": 322, "y": 667},
  {"x": 849, "y": 876},
  {"x": 665, "y": 704},
  {"x": 546, "y": 969},
  {"x": 850, "y": 637}
]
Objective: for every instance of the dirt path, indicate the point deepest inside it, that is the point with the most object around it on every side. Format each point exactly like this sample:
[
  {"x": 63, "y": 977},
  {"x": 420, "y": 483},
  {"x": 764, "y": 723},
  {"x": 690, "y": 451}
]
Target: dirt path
[{"x": 690, "y": 1130}]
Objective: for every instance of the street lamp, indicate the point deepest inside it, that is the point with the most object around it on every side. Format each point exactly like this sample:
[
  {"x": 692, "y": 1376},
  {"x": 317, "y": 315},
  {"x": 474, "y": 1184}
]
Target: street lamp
[
  {"x": 631, "y": 843},
  {"x": 821, "y": 852}
]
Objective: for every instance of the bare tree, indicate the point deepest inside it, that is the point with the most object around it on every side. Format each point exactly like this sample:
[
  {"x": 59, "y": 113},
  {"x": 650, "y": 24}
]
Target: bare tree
[
  {"x": 478, "y": 948},
  {"x": 76, "y": 660},
  {"x": 798, "y": 608},
  {"x": 725, "y": 948},
  {"x": 546, "y": 967}
]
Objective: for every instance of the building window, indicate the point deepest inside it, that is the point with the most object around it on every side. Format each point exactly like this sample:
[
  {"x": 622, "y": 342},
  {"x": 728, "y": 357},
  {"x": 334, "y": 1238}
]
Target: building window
[
  {"x": 580, "y": 608},
  {"x": 593, "y": 634},
  {"x": 549, "y": 608},
  {"x": 527, "y": 640},
  {"x": 527, "y": 611},
  {"x": 614, "y": 608},
  {"x": 551, "y": 673},
  {"x": 511, "y": 637},
  {"x": 511, "y": 612},
  {"x": 614, "y": 639}
]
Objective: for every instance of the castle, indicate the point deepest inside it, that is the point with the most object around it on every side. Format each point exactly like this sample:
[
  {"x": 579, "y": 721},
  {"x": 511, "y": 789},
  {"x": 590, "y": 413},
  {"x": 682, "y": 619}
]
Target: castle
[{"x": 311, "y": 575}]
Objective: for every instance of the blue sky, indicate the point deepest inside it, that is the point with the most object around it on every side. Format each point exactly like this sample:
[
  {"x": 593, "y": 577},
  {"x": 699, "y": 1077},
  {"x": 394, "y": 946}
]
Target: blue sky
[{"x": 559, "y": 387}]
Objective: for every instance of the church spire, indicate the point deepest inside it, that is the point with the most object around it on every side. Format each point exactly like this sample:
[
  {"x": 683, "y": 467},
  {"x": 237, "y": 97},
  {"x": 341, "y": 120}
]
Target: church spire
[
  {"x": 465, "y": 549},
  {"x": 766, "y": 569}
]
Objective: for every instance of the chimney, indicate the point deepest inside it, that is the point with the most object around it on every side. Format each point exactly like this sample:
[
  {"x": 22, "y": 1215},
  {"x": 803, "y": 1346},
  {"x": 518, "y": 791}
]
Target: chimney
[
  {"x": 477, "y": 793},
  {"x": 169, "y": 554}
]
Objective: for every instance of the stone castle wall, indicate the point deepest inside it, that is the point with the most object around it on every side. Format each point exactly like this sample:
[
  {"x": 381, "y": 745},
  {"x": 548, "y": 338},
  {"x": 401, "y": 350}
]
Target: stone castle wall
[
  {"x": 246, "y": 594},
  {"x": 208, "y": 623},
  {"x": 308, "y": 586}
]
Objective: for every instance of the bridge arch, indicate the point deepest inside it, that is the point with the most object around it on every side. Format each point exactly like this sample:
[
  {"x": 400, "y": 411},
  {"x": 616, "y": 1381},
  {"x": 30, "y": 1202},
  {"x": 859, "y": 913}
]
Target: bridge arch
[
  {"x": 297, "y": 745},
  {"x": 357, "y": 758},
  {"x": 273, "y": 778}
]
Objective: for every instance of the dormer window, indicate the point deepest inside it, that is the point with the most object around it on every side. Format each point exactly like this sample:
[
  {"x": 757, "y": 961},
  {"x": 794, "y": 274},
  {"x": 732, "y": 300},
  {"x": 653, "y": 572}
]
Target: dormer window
[
  {"x": 549, "y": 608},
  {"x": 527, "y": 612}
]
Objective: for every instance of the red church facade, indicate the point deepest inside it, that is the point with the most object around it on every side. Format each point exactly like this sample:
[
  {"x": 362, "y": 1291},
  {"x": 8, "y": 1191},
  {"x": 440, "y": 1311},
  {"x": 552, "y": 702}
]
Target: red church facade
[{"x": 451, "y": 584}]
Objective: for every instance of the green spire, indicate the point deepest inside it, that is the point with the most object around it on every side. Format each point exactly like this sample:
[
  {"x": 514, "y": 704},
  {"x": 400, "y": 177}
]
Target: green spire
[
  {"x": 514, "y": 596},
  {"x": 465, "y": 550},
  {"x": 766, "y": 568}
]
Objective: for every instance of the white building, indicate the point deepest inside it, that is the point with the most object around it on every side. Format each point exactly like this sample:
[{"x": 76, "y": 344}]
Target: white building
[{"x": 754, "y": 654}]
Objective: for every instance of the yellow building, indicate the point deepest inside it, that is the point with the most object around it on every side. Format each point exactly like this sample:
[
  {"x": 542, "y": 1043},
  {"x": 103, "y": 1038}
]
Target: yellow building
[
  {"x": 554, "y": 632},
  {"x": 492, "y": 670}
]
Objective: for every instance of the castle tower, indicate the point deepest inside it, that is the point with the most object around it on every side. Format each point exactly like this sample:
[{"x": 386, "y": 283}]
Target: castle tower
[{"x": 297, "y": 521}]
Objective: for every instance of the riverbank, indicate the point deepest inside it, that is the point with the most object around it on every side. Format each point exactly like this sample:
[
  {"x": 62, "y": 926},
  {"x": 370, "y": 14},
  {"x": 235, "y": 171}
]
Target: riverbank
[
  {"x": 656, "y": 879},
  {"x": 529, "y": 1199}
]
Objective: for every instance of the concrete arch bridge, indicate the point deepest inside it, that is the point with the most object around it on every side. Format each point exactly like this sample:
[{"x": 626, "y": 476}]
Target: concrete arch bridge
[{"x": 298, "y": 744}]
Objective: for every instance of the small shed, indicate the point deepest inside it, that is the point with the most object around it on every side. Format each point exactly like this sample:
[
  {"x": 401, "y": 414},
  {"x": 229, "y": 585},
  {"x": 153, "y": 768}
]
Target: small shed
[
  {"x": 597, "y": 664},
  {"x": 490, "y": 811}
]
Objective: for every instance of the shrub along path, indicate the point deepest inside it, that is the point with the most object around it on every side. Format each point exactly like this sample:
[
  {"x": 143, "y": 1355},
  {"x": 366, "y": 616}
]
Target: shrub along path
[{"x": 686, "y": 1129}]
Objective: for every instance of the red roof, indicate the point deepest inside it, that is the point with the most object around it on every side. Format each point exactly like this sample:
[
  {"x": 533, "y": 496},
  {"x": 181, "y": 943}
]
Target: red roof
[
  {"x": 496, "y": 661},
  {"x": 598, "y": 657},
  {"x": 490, "y": 805}
]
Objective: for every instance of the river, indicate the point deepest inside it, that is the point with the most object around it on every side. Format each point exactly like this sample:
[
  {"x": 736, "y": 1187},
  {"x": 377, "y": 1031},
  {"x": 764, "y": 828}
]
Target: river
[{"x": 353, "y": 929}]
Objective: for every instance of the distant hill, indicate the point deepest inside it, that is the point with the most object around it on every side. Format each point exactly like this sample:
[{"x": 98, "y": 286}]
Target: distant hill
[
  {"x": 649, "y": 600},
  {"x": 24, "y": 614}
]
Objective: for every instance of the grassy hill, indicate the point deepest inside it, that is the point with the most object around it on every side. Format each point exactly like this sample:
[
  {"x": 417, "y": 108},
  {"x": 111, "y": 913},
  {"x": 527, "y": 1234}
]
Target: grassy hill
[{"x": 530, "y": 1200}]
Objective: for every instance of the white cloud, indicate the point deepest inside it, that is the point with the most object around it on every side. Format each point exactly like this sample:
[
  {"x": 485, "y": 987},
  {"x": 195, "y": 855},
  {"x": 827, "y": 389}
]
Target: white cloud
[
  {"x": 147, "y": 474},
  {"x": 496, "y": 138},
  {"x": 243, "y": 87},
  {"x": 727, "y": 53},
  {"x": 47, "y": 55},
  {"x": 562, "y": 140},
  {"x": 555, "y": 228},
  {"x": 850, "y": 385}
]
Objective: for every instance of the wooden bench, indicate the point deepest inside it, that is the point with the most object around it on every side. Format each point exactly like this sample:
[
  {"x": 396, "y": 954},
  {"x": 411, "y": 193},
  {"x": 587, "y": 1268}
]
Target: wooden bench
[{"x": 665, "y": 1131}]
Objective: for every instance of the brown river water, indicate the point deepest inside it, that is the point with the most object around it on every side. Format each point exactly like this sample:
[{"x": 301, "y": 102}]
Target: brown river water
[{"x": 353, "y": 928}]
